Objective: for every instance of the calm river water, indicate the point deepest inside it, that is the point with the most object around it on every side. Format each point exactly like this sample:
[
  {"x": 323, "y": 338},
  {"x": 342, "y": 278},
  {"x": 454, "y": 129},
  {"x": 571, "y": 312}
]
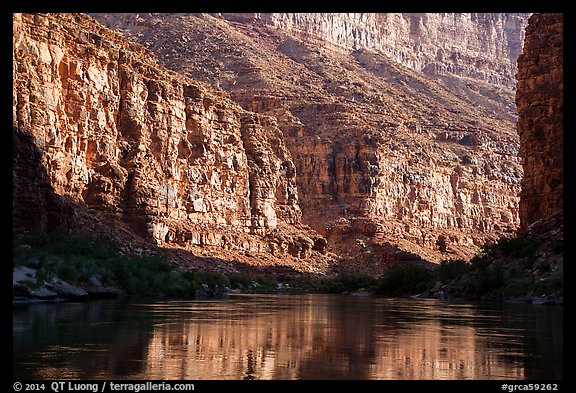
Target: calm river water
[{"x": 287, "y": 337}]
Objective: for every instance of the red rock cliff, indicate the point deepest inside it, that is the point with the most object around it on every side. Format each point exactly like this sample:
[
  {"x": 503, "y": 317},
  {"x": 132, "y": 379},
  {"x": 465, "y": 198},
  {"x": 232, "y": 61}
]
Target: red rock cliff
[
  {"x": 539, "y": 98},
  {"x": 401, "y": 127},
  {"x": 99, "y": 123},
  {"x": 390, "y": 153}
]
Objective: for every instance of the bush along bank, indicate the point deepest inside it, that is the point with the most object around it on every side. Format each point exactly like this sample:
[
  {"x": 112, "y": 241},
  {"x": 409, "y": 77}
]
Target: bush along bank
[
  {"x": 515, "y": 269},
  {"x": 60, "y": 267},
  {"x": 57, "y": 267},
  {"x": 52, "y": 266}
]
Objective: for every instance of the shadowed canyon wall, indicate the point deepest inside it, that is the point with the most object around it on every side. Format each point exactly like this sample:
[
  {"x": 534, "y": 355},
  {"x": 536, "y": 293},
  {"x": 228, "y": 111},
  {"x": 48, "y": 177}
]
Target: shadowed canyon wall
[{"x": 539, "y": 97}]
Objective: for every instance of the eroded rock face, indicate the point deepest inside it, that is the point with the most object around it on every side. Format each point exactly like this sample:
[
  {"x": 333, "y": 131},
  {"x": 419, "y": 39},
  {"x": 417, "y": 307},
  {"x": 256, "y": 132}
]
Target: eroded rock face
[
  {"x": 98, "y": 122},
  {"x": 477, "y": 46},
  {"x": 539, "y": 98},
  {"x": 401, "y": 127},
  {"x": 393, "y": 148}
]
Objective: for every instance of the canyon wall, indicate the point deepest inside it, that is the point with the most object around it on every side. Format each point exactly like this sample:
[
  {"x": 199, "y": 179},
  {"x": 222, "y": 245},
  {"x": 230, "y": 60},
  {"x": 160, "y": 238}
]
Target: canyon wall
[
  {"x": 539, "y": 98},
  {"x": 99, "y": 124},
  {"x": 477, "y": 46},
  {"x": 318, "y": 146},
  {"x": 402, "y": 148}
]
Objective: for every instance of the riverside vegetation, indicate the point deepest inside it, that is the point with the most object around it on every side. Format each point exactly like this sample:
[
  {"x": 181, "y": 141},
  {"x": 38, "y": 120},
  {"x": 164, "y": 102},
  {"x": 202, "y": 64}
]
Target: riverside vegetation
[{"x": 506, "y": 269}]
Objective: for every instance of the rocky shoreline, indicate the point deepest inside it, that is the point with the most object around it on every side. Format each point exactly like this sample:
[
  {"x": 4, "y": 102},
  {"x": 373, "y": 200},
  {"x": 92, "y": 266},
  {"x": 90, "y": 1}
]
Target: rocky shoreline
[
  {"x": 546, "y": 300},
  {"x": 58, "y": 267},
  {"x": 29, "y": 287}
]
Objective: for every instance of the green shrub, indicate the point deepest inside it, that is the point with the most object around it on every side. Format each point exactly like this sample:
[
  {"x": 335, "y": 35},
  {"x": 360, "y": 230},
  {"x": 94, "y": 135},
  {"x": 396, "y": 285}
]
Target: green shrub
[
  {"x": 240, "y": 280},
  {"x": 76, "y": 259},
  {"x": 549, "y": 285},
  {"x": 266, "y": 283},
  {"x": 142, "y": 275},
  {"x": 43, "y": 275},
  {"x": 451, "y": 269},
  {"x": 513, "y": 246},
  {"x": 483, "y": 279},
  {"x": 402, "y": 279},
  {"x": 345, "y": 282},
  {"x": 67, "y": 271},
  {"x": 480, "y": 261},
  {"x": 176, "y": 284},
  {"x": 214, "y": 280},
  {"x": 305, "y": 283},
  {"x": 355, "y": 281},
  {"x": 518, "y": 286}
]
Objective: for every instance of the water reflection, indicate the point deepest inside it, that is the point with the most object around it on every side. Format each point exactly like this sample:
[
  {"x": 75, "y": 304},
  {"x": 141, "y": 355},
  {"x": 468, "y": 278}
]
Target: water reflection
[{"x": 288, "y": 337}]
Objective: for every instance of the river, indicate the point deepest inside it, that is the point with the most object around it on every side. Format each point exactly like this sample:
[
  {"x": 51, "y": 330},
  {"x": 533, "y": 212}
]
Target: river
[{"x": 287, "y": 337}]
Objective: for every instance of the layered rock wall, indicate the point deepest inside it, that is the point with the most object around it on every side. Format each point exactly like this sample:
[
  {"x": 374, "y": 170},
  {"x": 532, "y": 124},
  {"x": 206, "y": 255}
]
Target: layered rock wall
[
  {"x": 478, "y": 46},
  {"x": 385, "y": 155},
  {"x": 382, "y": 159},
  {"x": 99, "y": 123},
  {"x": 539, "y": 98}
]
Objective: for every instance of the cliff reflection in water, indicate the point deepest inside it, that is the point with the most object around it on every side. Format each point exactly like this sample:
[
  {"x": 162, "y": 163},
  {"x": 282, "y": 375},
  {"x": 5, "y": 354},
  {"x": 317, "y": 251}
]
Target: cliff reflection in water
[{"x": 314, "y": 337}]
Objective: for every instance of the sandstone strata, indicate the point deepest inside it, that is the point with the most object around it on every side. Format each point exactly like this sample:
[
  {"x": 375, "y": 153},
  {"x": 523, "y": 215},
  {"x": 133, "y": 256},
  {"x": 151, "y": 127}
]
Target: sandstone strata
[
  {"x": 401, "y": 127},
  {"x": 477, "y": 46},
  {"x": 539, "y": 99},
  {"x": 98, "y": 123}
]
